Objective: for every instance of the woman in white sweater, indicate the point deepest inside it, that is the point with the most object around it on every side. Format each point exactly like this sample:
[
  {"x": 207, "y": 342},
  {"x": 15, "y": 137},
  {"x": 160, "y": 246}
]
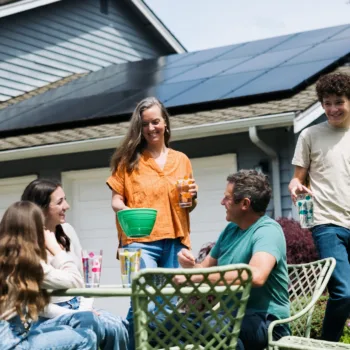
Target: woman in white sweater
[
  {"x": 23, "y": 270},
  {"x": 49, "y": 195}
]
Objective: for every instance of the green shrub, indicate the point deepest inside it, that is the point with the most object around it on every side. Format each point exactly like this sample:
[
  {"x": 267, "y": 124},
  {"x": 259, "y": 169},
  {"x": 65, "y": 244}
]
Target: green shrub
[
  {"x": 317, "y": 320},
  {"x": 300, "y": 245},
  {"x": 346, "y": 333},
  {"x": 318, "y": 316}
]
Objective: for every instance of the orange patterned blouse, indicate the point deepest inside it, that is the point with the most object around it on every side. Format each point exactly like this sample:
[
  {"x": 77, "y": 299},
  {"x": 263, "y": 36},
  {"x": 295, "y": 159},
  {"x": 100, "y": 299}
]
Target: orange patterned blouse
[{"x": 151, "y": 187}]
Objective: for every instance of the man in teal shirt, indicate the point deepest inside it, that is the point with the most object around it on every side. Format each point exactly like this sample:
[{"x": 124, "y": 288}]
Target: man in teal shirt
[{"x": 253, "y": 238}]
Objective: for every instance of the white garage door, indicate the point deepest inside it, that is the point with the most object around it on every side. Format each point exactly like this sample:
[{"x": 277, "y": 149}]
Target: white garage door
[
  {"x": 11, "y": 190},
  {"x": 93, "y": 219},
  {"x": 208, "y": 219}
]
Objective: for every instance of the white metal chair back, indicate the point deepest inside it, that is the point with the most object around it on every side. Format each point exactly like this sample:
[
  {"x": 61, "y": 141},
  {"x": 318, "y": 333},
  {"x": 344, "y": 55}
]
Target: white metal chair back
[{"x": 307, "y": 283}]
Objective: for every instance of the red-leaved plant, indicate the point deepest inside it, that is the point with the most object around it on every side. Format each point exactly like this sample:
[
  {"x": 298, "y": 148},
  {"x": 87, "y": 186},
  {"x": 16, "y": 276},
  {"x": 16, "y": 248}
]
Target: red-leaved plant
[{"x": 300, "y": 245}]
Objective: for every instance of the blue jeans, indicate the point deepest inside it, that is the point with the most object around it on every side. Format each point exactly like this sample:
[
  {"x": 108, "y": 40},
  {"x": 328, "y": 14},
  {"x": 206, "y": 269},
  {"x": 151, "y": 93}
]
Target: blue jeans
[
  {"x": 162, "y": 253},
  {"x": 254, "y": 331},
  {"x": 334, "y": 241},
  {"x": 112, "y": 330},
  {"x": 14, "y": 335}
]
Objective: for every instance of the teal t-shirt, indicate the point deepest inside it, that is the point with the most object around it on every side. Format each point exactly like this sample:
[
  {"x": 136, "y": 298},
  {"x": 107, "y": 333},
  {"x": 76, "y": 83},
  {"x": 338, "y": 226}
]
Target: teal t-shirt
[{"x": 238, "y": 246}]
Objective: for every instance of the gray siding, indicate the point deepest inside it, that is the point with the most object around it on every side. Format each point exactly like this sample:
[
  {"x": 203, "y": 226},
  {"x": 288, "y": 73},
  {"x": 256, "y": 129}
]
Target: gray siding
[
  {"x": 49, "y": 43},
  {"x": 248, "y": 156}
]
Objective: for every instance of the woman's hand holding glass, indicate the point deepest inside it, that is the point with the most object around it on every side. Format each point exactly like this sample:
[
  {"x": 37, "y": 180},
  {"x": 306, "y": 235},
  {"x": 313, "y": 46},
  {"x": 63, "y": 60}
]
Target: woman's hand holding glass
[{"x": 193, "y": 188}]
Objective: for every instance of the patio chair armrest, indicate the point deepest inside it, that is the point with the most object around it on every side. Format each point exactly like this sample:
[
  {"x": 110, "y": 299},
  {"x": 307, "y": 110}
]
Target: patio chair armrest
[{"x": 291, "y": 318}]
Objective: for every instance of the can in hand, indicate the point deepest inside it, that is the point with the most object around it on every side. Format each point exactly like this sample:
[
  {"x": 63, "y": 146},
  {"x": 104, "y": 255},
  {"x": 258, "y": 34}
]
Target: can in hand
[{"x": 305, "y": 206}]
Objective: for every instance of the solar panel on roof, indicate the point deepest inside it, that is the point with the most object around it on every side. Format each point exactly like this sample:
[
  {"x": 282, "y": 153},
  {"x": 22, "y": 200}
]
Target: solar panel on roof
[
  {"x": 207, "y": 70},
  {"x": 168, "y": 73},
  {"x": 271, "y": 65},
  {"x": 164, "y": 92},
  {"x": 264, "y": 61},
  {"x": 200, "y": 57},
  {"x": 168, "y": 60},
  {"x": 342, "y": 35},
  {"x": 254, "y": 48},
  {"x": 213, "y": 89},
  {"x": 329, "y": 49},
  {"x": 279, "y": 79},
  {"x": 312, "y": 37}
]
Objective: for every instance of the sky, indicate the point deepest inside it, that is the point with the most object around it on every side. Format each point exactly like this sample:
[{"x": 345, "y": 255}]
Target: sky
[{"x": 202, "y": 24}]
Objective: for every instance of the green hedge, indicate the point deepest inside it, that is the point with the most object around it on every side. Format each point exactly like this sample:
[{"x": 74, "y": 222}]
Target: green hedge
[{"x": 317, "y": 320}]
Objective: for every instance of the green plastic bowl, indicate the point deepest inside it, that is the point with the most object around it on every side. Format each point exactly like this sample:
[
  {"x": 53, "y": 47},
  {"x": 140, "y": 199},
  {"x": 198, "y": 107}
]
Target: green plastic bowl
[{"x": 137, "y": 222}]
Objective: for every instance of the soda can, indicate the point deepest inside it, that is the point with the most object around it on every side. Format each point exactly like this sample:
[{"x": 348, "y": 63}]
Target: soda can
[{"x": 305, "y": 206}]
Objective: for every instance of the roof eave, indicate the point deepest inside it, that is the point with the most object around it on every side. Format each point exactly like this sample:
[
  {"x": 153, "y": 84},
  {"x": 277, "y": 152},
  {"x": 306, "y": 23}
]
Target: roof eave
[
  {"x": 305, "y": 118},
  {"x": 158, "y": 25},
  {"x": 184, "y": 133},
  {"x": 24, "y": 5}
]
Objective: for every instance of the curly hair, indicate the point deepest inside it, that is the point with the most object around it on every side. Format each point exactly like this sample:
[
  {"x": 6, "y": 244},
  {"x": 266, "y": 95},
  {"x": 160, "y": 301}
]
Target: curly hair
[
  {"x": 22, "y": 247},
  {"x": 333, "y": 84},
  {"x": 128, "y": 154},
  {"x": 253, "y": 185}
]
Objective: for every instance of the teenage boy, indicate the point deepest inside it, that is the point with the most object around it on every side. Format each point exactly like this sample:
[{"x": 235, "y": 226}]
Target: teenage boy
[{"x": 323, "y": 154}]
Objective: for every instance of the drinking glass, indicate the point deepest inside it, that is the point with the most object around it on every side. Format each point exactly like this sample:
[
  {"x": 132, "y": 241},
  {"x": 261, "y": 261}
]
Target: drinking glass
[
  {"x": 92, "y": 265},
  {"x": 130, "y": 263}
]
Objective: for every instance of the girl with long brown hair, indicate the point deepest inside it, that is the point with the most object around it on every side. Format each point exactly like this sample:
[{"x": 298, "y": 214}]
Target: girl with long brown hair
[
  {"x": 49, "y": 195},
  {"x": 22, "y": 255}
]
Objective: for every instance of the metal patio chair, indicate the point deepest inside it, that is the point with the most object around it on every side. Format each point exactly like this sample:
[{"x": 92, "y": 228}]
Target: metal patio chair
[
  {"x": 307, "y": 282},
  {"x": 183, "y": 316}
]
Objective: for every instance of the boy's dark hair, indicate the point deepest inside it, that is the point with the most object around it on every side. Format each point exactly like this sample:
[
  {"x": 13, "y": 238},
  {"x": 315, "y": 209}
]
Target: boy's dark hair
[
  {"x": 253, "y": 185},
  {"x": 333, "y": 84}
]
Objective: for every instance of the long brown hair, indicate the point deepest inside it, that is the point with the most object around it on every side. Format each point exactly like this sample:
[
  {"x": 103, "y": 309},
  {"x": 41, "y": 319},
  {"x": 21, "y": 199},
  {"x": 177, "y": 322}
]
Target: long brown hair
[
  {"x": 22, "y": 247},
  {"x": 39, "y": 192},
  {"x": 128, "y": 154}
]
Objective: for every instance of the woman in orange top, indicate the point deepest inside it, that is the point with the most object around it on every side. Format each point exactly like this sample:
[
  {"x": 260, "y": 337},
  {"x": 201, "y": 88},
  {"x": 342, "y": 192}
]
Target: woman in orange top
[{"x": 144, "y": 175}]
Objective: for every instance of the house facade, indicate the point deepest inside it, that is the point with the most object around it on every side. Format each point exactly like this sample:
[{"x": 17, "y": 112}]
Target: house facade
[{"x": 62, "y": 134}]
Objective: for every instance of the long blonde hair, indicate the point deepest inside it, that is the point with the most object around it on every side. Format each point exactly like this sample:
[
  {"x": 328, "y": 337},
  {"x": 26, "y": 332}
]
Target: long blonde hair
[
  {"x": 22, "y": 247},
  {"x": 128, "y": 154}
]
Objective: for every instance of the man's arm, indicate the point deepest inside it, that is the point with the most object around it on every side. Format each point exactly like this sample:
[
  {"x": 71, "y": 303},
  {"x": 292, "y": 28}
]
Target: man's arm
[
  {"x": 296, "y": 185},
  {"x": 188, "y": 261},
  {"x": 261, "y": 264}
]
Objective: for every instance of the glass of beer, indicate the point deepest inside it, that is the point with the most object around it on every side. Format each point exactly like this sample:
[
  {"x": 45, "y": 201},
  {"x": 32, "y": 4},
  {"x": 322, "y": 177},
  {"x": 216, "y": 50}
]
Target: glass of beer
[{"x": 130, "y": 263}]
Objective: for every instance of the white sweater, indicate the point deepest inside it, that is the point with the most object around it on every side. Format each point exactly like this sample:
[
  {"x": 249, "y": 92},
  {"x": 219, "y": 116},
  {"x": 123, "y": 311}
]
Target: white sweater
[{"x": 60, "y": 275}]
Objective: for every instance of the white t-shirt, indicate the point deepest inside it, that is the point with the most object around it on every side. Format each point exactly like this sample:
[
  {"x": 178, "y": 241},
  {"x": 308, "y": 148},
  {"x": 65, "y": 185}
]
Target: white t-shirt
[{"x": 325, "y": 151}]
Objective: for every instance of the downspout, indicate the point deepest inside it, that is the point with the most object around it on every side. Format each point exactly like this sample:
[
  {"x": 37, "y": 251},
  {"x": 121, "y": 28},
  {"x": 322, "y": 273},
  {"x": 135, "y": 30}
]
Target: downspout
[{"x": 276, "y": 182}]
